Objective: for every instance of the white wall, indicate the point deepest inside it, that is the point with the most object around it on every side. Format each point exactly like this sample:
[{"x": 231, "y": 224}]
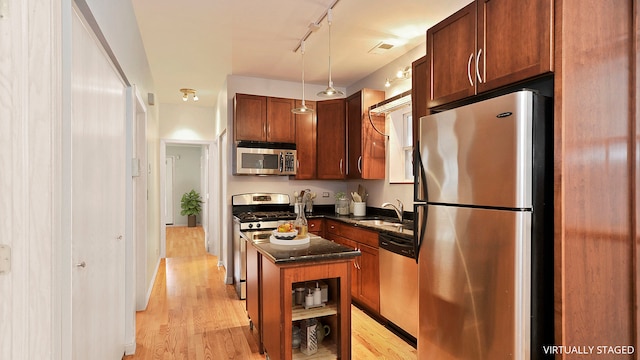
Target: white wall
[
  {"x": 186, "y": 176},
  {"x": 187, "y": 121}
]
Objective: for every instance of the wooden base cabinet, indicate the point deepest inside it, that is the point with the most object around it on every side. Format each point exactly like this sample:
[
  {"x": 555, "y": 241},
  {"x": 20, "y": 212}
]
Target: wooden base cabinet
[
  {"x": 280, "y": 314},
  {"x": 252, "y": 302},
  {"x": 365, "y": 288}
]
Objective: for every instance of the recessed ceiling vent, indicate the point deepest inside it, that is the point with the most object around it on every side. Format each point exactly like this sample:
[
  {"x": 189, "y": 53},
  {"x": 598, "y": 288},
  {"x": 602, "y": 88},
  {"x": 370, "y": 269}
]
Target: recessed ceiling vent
[{"x": 381, "y": 48}]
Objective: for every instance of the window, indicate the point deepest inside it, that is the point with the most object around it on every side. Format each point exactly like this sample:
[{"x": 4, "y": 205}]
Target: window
[{"x": 401, "y": 146}]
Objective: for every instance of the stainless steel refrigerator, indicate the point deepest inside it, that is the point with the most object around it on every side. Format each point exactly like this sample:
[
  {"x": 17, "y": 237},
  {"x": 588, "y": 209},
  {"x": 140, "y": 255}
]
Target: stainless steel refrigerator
[{"x": 484, "y": 229}]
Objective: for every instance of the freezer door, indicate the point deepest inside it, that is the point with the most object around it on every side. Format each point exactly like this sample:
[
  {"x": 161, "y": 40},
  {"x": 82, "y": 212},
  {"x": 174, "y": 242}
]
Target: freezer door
[
  {"x": 479, "y": 154},
  {"x": 474, "y": 276}
]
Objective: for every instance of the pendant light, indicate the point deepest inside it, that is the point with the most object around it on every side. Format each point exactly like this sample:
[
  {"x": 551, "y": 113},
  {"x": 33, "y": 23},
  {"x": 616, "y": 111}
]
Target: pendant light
[
  {"x": 330, "y": 92},
  {"x": 302, "y": 109}
]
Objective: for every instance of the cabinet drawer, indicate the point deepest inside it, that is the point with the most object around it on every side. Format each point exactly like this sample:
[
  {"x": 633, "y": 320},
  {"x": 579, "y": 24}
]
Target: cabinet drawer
[
  {"x": 360, "y": 235},
  {"x": 333, "y": 227},
  {"x": 315, "y": 226}
]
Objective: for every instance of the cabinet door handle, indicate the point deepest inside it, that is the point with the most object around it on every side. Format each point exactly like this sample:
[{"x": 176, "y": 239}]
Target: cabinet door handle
[
  {"x": 478, "y": 66},
  {"x": 340, "y": 166},
  {"x": 360, "y": 164},
  {"x": 469, "y": 69}
]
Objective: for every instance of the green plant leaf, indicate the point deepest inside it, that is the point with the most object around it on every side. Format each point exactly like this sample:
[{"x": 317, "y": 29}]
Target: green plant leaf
[{"x": 191, "y": 203}]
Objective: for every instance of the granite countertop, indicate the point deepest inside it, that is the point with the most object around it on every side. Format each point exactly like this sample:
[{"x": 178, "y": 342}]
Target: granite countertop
[
  {"x": 406, "y": 230},
  {"x": 318, "y": 249}
]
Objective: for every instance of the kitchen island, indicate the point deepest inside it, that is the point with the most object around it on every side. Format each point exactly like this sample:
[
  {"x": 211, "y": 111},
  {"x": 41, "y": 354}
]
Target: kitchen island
[{"x": 274, "y": 271}]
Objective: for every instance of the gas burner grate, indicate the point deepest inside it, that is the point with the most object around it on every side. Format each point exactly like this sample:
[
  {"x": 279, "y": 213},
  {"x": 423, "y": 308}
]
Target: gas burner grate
[{"x": 266, "y": 215}]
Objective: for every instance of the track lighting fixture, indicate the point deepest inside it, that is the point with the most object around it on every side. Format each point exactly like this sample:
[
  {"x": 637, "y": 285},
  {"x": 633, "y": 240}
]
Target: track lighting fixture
[
  {"x": 401, "y": 74},
  {"x": 186, "y": 92}
]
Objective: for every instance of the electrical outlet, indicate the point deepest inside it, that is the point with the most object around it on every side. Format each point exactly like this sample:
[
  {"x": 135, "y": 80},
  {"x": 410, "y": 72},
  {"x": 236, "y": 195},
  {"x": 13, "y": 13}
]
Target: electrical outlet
[
  {"x": 5, "y": 259},
  {"x": 325, "y": 194}
]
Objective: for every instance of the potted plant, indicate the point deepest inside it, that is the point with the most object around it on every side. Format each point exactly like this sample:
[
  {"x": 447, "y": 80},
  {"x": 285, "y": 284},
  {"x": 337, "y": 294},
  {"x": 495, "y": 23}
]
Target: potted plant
[{"x": 191, "y": 206}]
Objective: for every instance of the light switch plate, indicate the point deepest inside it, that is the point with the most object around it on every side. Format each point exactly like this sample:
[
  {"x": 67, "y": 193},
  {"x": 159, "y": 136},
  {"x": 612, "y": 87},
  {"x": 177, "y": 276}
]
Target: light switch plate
[{"x": 5, "y": 259}]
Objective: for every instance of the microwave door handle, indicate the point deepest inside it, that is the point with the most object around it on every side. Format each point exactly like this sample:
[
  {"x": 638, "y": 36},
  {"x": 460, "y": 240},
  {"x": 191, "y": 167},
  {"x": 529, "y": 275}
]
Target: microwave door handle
[{"x": 281, "y": 161}]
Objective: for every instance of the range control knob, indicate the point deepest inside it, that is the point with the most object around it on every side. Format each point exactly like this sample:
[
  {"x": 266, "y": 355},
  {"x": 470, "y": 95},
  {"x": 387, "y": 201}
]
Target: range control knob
[
  {"x": 258, "y": 225},
  {"x": 250, "y": 226}
]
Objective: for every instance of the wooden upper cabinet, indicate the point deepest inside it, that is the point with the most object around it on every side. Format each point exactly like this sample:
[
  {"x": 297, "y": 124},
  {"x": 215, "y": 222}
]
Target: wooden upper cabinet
[
  {"x": 306, "y": 140},
  {"x": 419, "y": 94},
  {"x": 365, "y": 146},
  {"x": 281, "y": 126},
  {"x": 451, "y": 47},
  {"x": 250, "y": 118},
  {"x": 262, "y": 118},
  {"x": 489, "y": 44},
  {"x": 515, "y": 37},
  {"x": 331, "y": 139}
]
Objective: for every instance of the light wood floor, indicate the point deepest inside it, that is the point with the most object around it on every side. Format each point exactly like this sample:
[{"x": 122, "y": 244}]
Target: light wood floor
[{"x": 192, "y": 314}]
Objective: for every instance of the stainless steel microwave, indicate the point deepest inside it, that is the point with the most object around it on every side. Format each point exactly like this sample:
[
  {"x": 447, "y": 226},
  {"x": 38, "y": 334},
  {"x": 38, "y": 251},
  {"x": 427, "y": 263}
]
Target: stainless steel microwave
[{"x": 257, "y": 158}]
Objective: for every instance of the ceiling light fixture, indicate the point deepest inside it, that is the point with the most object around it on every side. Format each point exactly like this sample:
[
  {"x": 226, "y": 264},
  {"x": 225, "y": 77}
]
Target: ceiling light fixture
[
  {"x": 302, "y": 109},
  {"x": 330, "y": 92},
  {"x": 186, "y": 92}
]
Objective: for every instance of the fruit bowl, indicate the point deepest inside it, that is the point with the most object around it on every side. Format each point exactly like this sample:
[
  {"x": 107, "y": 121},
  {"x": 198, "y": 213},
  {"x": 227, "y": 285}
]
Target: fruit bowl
[{"x": 289, "y": 235}]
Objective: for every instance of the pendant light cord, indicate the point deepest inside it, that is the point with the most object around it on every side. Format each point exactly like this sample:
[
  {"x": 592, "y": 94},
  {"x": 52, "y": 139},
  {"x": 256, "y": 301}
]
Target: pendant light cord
[
  {"x": 329, "y": 21},
  {"x": 302, "y": 52}
]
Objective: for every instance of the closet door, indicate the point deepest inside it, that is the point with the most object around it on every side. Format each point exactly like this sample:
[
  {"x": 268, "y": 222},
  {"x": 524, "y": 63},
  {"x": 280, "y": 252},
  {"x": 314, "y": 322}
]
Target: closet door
[{"x": 97, "y": 192}]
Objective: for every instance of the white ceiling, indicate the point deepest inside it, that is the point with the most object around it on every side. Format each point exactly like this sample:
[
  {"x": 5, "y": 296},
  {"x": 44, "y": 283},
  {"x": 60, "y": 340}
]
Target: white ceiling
[{"x": 197, "y": 43}]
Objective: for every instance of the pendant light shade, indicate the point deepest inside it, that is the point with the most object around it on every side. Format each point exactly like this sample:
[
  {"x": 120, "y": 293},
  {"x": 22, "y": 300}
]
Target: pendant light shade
[
  {"x": 302, "y": 109},
  {"x": 330, "y": 92}
]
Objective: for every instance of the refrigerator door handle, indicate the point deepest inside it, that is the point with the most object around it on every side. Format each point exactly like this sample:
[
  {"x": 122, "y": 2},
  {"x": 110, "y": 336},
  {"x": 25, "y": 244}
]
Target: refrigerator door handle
[
  {"x": 420, "y": 228},
  {"x": 420, "y": 180}
]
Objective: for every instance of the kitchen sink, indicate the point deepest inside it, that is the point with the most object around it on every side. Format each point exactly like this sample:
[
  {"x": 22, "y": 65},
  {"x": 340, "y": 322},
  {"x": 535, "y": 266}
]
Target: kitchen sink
[
  {"x": 381, "y": 223},
  {"x": 405, "y": 227}
]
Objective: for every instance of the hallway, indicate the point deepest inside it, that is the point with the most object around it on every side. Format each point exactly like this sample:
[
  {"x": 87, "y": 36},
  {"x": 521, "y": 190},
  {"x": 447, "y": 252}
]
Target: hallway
[{"x": 192, "y": 314}]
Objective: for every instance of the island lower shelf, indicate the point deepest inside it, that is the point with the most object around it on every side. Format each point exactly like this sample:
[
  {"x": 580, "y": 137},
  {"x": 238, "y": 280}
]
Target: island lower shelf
[
  {"x": 325, "y": 351},
  {"x": 298, "y": 312}
]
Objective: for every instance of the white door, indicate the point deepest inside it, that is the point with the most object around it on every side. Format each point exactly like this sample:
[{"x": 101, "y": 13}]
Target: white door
[
  {"x": 98, "y": 199},
  {"x": 168, "y": 191}
]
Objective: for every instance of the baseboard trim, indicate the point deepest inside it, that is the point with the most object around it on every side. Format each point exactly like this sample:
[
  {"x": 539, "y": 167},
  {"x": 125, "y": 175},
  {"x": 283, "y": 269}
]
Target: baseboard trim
[
  {"x": 150, "y": 289},
  {"x": 130, "y": 349}
]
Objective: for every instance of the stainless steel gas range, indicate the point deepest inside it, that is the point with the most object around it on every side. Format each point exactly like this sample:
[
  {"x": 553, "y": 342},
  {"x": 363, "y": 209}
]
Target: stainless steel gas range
[{"x": 255, "y": 215}]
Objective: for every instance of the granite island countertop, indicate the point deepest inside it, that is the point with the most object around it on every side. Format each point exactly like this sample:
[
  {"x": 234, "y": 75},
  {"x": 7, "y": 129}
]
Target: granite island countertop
[{"x": 317, "y": 250}]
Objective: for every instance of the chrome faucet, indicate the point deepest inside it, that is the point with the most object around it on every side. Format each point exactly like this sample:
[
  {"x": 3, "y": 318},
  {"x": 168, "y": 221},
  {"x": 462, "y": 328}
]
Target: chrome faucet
[{"x": 399, "y": 210}]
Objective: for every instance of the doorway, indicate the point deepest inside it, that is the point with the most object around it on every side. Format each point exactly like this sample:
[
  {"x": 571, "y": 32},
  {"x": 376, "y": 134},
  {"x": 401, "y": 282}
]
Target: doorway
[{"x": 191, "y": 163}]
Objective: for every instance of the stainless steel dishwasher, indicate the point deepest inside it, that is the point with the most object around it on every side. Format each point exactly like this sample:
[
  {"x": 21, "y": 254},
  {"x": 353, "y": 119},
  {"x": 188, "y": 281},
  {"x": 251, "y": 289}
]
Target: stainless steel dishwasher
[{"x": 398, "y": 282}]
